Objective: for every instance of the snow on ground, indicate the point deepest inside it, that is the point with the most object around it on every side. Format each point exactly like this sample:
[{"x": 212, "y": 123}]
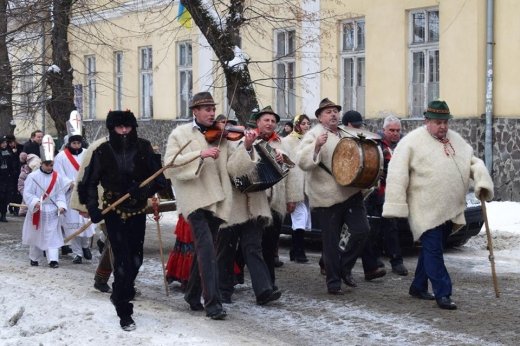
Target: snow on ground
[{"x": 39, "y": 305}]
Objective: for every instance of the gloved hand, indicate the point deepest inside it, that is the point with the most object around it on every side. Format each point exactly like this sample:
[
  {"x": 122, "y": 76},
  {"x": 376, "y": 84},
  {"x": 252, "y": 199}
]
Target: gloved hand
[{"x": 95, "y": 215}]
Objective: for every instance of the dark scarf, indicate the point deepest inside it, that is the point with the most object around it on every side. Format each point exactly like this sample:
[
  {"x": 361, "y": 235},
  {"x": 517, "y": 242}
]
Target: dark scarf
[
  {"x": 75, "y": 152},
  {"x": 122, "y": 142}
]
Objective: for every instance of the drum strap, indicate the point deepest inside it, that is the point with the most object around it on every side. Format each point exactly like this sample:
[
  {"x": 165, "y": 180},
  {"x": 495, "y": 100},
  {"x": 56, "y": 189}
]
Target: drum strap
[{"x": 325, "y": 168}]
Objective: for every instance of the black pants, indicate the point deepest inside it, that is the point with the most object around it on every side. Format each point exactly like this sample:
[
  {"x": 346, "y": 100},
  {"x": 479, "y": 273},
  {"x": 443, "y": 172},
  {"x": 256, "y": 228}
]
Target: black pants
[
  {"x": 270, "y": 238},
  {"x": 250, "y": 235},
  {"x": 386, "y": 235},
  {"x": 204, "y": 271},
  {"x": 127, "y": 239},
  {"x": 331, "y": 219}
]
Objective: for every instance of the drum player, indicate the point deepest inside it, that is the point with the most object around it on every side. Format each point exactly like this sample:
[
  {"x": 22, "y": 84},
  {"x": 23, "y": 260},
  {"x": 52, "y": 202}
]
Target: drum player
[
  {"x": 353, "y": 119},
  {"x": 334, "y": 204}
]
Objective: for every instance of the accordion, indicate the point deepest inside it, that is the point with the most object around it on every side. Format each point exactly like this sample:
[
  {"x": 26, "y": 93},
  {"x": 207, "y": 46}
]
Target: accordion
[{"x": 266, "y": 173}]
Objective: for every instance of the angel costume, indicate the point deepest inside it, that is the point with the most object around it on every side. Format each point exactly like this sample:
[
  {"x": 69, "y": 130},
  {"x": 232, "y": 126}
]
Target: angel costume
[{"x": 41, "y": 228}]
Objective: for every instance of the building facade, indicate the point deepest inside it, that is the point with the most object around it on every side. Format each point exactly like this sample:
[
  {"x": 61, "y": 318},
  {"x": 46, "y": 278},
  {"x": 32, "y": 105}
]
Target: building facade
[{"x": 378, "y": 57}]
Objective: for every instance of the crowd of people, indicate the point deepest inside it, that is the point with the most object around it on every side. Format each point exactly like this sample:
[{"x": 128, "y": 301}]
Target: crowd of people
[{"x": 424, "y": 177}]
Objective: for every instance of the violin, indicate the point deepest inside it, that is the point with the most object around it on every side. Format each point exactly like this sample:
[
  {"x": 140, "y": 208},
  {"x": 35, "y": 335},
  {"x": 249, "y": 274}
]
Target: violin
[{"x": 223, "y": 130}]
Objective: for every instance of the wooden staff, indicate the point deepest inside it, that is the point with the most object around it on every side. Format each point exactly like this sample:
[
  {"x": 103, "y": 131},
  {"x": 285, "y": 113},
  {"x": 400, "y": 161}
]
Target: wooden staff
[
  {"x": 156, "y": 217},
  {"x": 490, "y": 248},
  {"x": 127, "y": 195}
]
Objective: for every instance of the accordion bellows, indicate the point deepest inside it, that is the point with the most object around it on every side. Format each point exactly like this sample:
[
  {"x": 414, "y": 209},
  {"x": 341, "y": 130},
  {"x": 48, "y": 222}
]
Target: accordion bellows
[{"x": 267, "y": 173}]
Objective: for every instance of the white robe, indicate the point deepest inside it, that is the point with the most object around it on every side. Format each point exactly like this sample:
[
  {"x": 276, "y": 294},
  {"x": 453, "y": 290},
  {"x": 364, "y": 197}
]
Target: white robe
[
  {"x": 72, "y": 220},
  {"x": 48, "y": 235}
]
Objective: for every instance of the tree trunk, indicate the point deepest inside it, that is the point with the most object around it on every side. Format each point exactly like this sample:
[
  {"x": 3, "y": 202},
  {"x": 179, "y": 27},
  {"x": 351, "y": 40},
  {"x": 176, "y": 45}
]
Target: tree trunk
[
  {"x": 240, "y": 92},
  {"x": 62, "y": 100},
  {"x": 6, "y": 75}
]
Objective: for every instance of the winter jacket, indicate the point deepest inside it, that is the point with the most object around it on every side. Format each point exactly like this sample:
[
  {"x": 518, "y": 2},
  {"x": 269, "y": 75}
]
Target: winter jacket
[{"x": 427, "y": 185}]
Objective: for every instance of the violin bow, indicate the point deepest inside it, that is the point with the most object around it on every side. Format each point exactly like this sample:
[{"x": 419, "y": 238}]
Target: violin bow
[{"x": 228, "y": 112}]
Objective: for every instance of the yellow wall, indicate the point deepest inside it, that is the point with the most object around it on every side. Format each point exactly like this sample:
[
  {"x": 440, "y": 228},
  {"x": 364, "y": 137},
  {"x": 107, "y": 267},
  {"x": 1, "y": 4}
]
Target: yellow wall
[
  {"x": 507, "y": 58},
  {"x": 462, "y": 57}
]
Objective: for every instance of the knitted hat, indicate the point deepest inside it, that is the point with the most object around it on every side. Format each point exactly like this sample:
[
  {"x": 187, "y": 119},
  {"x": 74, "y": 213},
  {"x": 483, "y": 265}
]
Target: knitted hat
[
  {"x": 202, "y": 99},
  {"x": 352, "y": 117},
  {"x": 33, "y": 161},
  {"x": 266, "y": 110},
  {"x": 326, "y": 103},
  {"x": 438, "y": 110},
  {"x": 117, "y": 118}
]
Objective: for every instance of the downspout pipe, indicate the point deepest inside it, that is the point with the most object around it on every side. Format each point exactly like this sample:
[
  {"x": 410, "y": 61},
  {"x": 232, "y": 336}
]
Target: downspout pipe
[{"x": 488, "y": 143}]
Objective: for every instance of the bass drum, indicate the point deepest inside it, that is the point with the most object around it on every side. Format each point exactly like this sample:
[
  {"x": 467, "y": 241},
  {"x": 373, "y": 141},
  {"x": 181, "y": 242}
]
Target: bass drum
[{"x": 357, "y": 162}]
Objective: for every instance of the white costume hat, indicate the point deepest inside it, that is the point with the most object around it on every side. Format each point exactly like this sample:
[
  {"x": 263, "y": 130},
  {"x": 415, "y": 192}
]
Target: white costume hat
[
  {"x": 47, "y": 148},
  {"x": 74, "y": 124}
]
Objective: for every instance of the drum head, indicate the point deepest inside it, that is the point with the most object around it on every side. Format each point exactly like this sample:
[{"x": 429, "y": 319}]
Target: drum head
[{"x": 346, "y": 161}]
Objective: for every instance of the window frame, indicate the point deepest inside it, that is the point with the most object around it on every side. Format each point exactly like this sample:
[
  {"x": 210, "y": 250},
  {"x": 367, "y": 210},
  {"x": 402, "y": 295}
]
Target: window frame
[
  {"x": 353, "y": 96},
  {"x": 27, "y": 86},
  {"x": 285, "y": 86},
  {"x": 421, "y": 92},
  {"x": 91, "y": 86},
  {"x": 145, "y": 82},
  {"x": 185, "y": 70},
  {"x": 118, "y": 79}
]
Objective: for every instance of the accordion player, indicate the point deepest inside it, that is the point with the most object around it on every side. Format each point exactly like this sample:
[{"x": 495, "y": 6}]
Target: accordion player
[{"x": 267, "y": 172}]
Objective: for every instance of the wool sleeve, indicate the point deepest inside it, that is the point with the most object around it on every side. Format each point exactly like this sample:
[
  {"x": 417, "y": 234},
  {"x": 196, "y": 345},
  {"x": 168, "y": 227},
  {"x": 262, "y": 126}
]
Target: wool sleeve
[
  {"x": 483, "y": 182},
  {"x": 305, "y": 157},
  {"x": 397, "y": 181}
]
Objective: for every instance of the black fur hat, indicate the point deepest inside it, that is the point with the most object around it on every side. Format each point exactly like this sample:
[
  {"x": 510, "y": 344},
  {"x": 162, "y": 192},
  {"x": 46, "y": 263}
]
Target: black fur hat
[{"x": 116, "y": 118}]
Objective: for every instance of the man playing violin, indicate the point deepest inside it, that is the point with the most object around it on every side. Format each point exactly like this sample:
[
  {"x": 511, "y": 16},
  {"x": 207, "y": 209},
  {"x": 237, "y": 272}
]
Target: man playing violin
[
  {"x": 334, "y": 204},
  {"x": 202, "y": 187}
]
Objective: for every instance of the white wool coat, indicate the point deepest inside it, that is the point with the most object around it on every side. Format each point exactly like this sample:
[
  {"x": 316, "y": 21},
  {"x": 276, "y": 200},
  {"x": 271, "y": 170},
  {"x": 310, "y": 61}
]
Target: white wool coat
[
  {"x": 251, "y": 205},
  {"x": 202, "y": 184},
  {"x": 277, "y": 193},
  {"x": 429, "y": 187},
  {"x": 320, "y": 186},
  {"x": 294, "y": 183}
]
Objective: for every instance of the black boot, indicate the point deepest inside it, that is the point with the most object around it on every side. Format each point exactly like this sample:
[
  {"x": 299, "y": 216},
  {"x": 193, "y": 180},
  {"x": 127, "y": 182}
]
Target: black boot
[
  {"x": 299, "y": 246},
  {"x": 2, "y": 217}
]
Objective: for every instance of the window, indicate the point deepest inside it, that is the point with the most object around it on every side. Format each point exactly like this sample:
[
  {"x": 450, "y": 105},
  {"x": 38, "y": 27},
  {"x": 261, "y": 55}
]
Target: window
[
  {"x": 118, "y": 79},
  {"x": 353, "y": 65},
  {"x": 27, "y": 86},
  {"x": 184, "y": 66},
  {"x": 285, "y": 70},
  {"x": 146, "y": 82},
  {"x": 78, "y": 98},
  {"x": 424, "y": 59},
  {"x": 90, "y": 64}
]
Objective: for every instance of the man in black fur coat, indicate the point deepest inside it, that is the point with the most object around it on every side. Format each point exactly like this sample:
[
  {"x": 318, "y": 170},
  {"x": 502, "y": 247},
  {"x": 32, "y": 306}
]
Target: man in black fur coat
[{"x": 120, "y": 165}]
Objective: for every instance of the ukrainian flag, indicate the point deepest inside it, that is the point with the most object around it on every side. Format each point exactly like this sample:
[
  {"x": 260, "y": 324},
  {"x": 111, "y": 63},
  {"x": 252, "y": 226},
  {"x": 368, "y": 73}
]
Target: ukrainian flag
[{"x": 184, "y": 17}]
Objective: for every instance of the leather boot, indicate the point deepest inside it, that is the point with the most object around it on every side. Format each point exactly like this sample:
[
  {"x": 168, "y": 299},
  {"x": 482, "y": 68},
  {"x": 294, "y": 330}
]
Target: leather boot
[{"x": 299, "y": 246}]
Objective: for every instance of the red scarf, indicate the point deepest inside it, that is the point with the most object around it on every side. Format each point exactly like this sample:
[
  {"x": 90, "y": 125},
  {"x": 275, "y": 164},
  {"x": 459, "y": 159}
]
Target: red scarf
[
  {"x": 72, "y": 159},
  {"x": 36, "y": 215}
]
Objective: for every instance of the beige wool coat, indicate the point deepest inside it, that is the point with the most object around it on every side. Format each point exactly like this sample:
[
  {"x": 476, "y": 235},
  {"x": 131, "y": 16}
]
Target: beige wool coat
[
  {"x": 246, "y": 206},
  {"x": 320, "y": 186},
  {"x": 276, "y": 194},
  {"x": 294, "y": 183},
  {"x": 429, "y": 187},
  {"x": 202, "y": 184}
]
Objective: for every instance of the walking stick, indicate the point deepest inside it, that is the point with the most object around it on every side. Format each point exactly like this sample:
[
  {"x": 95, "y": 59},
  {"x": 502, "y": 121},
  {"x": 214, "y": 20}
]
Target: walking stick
[
  {"x": 156, "y": 217},
  {"x": 127, "y": 195},
  {"x": 490, "y": 248}
]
